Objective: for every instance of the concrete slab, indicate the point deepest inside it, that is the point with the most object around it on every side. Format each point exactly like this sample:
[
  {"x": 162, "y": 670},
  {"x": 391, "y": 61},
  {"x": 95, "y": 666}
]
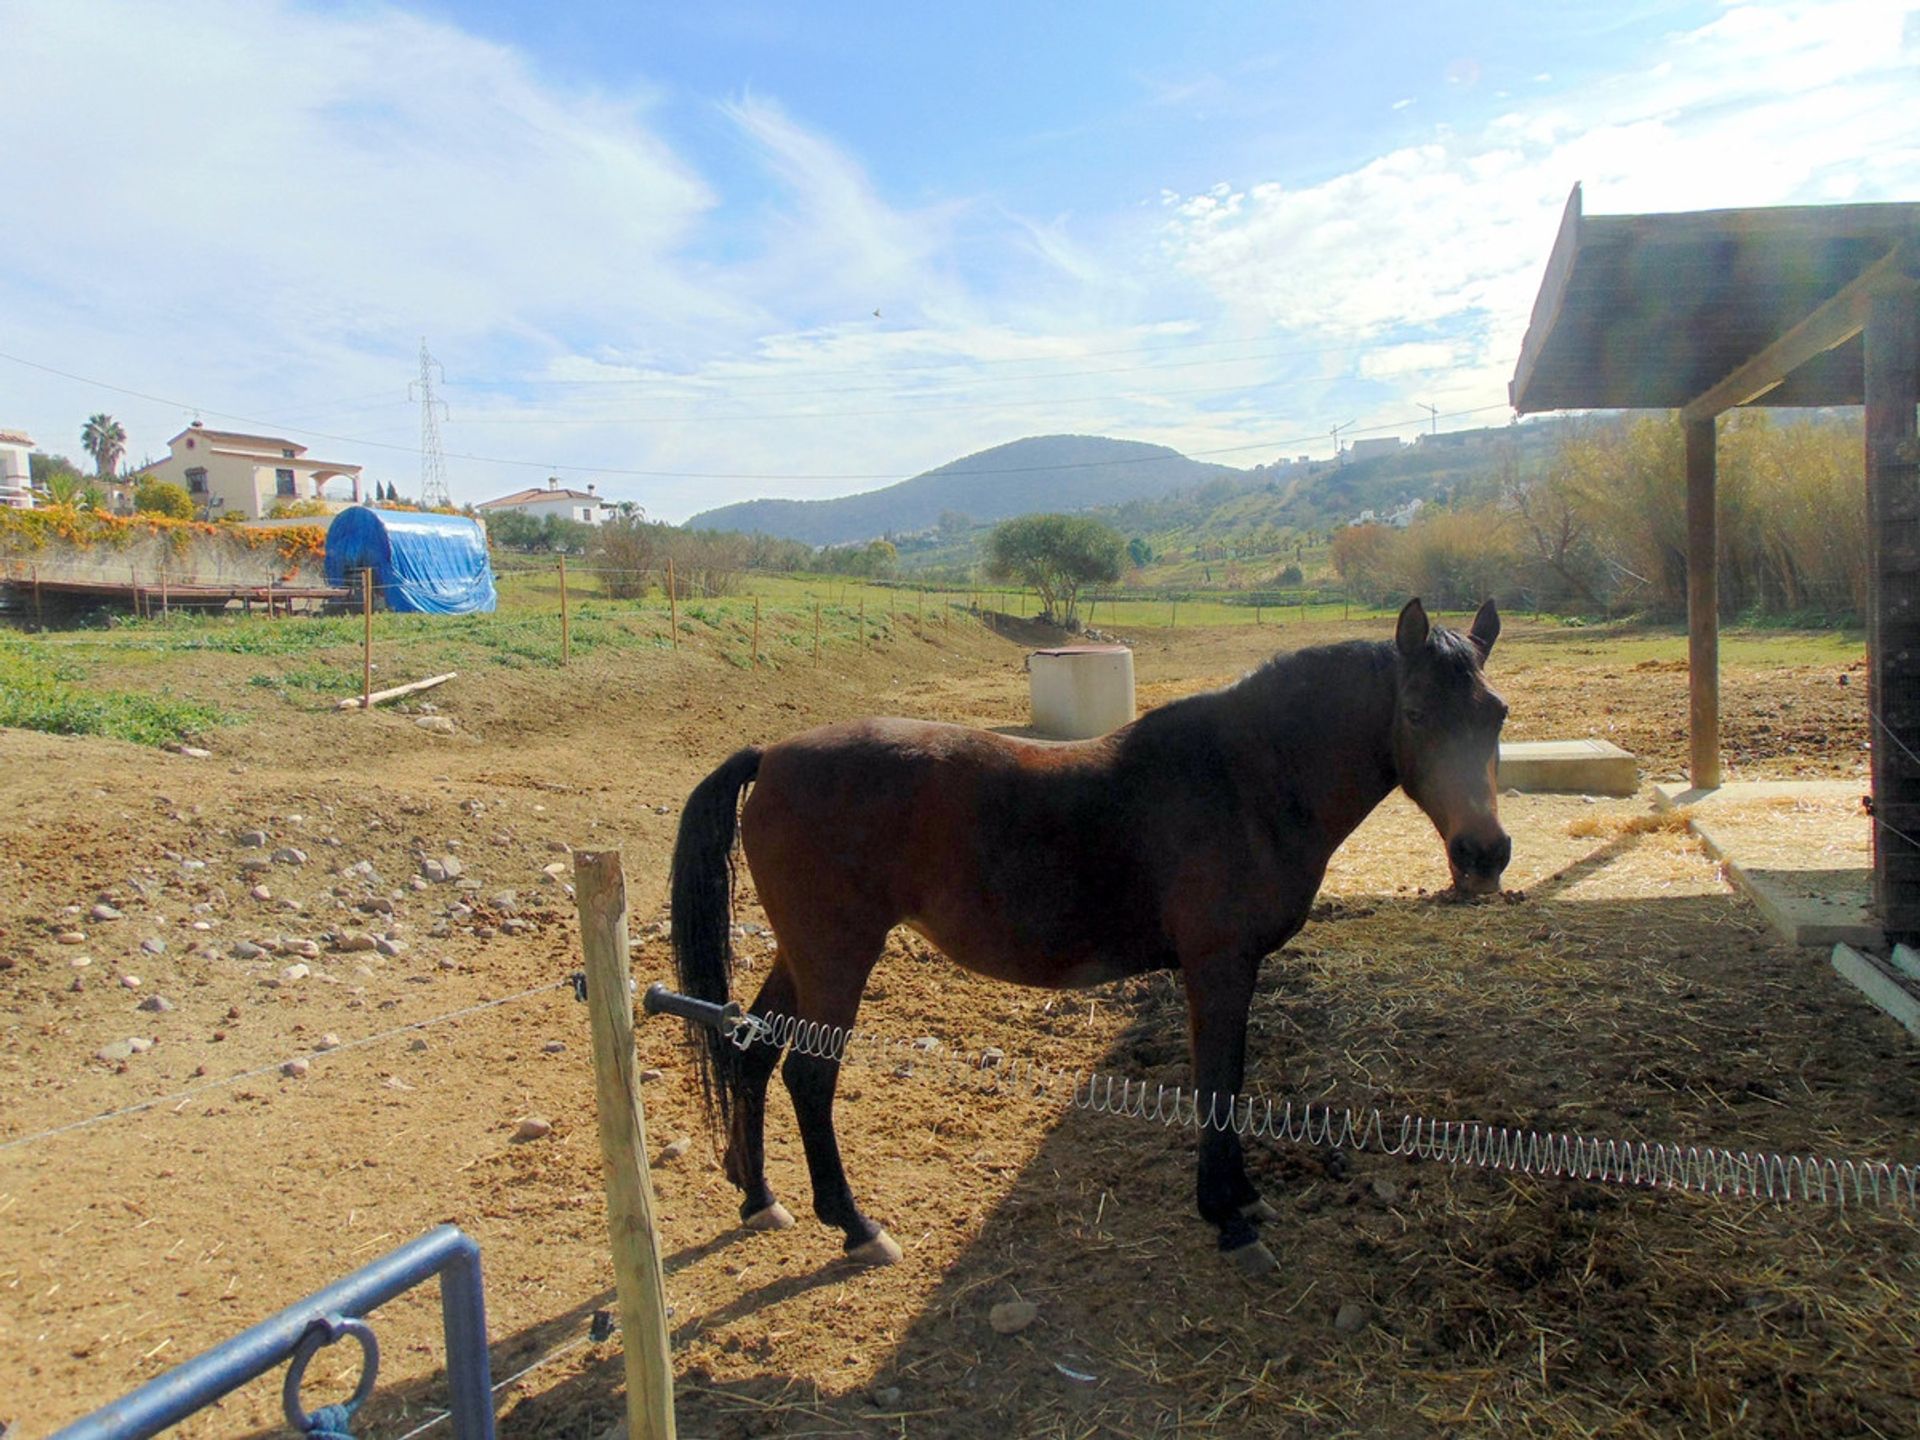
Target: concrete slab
[
  {"x": 1799, "y": 849},
  {"x": 1568, "y": 767}
]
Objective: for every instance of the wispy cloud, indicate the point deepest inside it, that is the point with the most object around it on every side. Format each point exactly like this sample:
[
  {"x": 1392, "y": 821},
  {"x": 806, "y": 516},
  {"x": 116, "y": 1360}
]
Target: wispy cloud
[{"x": 261, "y": 206}]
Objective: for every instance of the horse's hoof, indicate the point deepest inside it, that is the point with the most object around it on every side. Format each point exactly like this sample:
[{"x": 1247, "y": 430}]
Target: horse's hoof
[
  {"x": 1253, "y": 1260},
  {"x": 775, "y": 1217},
  {"x": 1259, "y": 1211},
  {"x": 882, "y": 1249}
]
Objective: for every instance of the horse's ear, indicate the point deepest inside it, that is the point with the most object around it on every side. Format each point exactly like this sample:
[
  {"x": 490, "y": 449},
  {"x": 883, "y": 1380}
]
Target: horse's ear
[
  {"x": 1486, "y": 629},
  {"x": 1411, "y": 633}
]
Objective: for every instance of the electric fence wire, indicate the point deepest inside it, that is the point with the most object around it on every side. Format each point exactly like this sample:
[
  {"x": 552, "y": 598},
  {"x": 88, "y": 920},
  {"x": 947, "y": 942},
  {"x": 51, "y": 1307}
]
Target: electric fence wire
[{"x": 1692, "y": 1169}]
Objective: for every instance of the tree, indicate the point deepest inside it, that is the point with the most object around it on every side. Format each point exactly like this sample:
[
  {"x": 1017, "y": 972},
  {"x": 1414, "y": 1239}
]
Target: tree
[
  {"x": 62, "y": 485},
  {"x": 1140, "y": 553},
  {"x": 105, "y": 441},
  {"x": 44, "y": 470},
  {"x": 1056, "y": 555},
  {"x": 162, "y": 497}
]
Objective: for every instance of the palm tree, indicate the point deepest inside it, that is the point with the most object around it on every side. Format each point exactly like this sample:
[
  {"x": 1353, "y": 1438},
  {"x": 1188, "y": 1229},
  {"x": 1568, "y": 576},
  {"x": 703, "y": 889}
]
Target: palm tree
[{"x": 105, "y": 441}]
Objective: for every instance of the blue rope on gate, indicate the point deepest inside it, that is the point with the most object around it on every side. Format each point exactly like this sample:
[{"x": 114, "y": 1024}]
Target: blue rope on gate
[{"x": 332, "y": 1422}]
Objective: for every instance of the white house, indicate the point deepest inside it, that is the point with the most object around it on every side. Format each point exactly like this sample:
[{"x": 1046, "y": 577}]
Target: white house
[
  {"x": 228, "y": 473},
  {"x": 582, "y": 505},
  {"x": 16, "y": 474}
]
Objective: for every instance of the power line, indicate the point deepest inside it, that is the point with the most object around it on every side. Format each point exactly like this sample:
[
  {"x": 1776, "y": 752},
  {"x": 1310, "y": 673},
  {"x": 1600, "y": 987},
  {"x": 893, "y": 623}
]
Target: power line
[{"x": 1283, "y": 443}]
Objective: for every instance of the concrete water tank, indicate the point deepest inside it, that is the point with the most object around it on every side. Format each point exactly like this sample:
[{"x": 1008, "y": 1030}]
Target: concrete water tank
[{"x": 1080, "y": 691}]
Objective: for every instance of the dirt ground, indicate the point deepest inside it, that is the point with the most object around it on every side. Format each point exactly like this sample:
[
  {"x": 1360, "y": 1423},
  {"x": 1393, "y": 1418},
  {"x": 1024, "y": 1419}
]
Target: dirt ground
[{"x": 1619, "y": 990}]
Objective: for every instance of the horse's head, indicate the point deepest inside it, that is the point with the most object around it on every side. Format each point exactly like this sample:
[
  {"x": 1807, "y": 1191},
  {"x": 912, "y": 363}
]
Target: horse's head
[{"x": 1446, "y": 741}]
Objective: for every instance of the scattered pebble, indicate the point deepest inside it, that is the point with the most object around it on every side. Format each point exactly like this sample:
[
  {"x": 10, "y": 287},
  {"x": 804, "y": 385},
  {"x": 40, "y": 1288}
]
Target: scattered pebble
[
  {"x": 159, "y": 1004},
  {"x": 647, "y": 1077},
  {"x": 1352, "y": 1317},
  {"x": 1010, "y": 1317},
  {"x": 131, "y": 982},
  {"x": 417, "y": 1044},
  {"x": 251, "y": 839},
  {"x": 295, "y": 1068},
  {"x": 104, "y": 911},
  {"x": 328, "y": 1041},
  {"x": 886, "y": 1397},
  {"x": 153, "y": 946},
  {"x": 139, "y": 1044},
  {"x": 288, "y": 855},
  {"x": 926, "y": 1044},
  {"x": 80, "y": 962},
  {"x": 1385, "y": 1191},
  {"x": 384, "y": 946},
  {"x": 193, "y": 752},
  {"x": 71, "y": 937},
  {"x": 532, "y": 1128},
  {"x": 676, "y": 1150},
  {"x": 554, "y": 1047},
  {"x": 115, "y": 1052},
  {"x": 247, "y": 950},
  {"x": 295, "y": 972},
  {"x": 435, "y": 724}
]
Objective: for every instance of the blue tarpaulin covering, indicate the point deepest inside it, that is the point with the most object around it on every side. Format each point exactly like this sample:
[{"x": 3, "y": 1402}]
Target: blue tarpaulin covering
[{"x": 432, "y": 563}]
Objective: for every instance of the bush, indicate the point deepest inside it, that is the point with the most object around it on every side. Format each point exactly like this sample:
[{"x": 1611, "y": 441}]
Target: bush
[{"x": 162, "y": 497}]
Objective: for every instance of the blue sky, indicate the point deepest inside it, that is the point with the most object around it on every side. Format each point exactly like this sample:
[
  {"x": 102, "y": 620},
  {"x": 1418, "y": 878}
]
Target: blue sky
[{"x": 647, "y": 242}]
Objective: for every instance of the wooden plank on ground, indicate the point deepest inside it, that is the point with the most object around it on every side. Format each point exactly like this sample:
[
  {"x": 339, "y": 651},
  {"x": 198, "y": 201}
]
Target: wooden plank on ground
[
  {"x": 1881, "y": 984},
  {"x": 353, "y": 702}
]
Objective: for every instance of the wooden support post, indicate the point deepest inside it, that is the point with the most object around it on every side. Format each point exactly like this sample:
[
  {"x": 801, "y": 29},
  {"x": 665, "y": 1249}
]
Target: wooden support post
[
  {"x": 164, "y": 608},
  {"x": 600, "y": 889},
  {"x": 39, "y": 612},
  {"x": 816, "y": 632},
  {"x": 673, "y": 605},
  {"x": 270, "y": 614},
  {"x": 366, "y": 649},
  {"x": 756, "y": 634},
  {"x": 1893, "y": 602},
  {"x": 1703, "y": 609},
  {"x": 863, "y": 621},
  {"x": 566, "y": 648}
]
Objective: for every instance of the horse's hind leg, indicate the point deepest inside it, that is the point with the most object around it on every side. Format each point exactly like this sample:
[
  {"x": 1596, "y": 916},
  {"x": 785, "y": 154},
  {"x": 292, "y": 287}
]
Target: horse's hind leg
[
  {"x": 746, "y": 1160},
  {"x": 831, "y": 998}
]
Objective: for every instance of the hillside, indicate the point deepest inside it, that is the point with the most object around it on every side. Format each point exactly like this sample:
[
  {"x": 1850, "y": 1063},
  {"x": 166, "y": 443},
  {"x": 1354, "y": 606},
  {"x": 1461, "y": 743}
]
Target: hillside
[{"x": 1045, "y": 472}]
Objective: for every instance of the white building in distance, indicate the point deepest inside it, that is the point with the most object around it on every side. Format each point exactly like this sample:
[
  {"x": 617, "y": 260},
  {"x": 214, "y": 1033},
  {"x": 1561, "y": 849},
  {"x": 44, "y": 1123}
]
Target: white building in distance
[
  {"x": 582, "y": 505},
  {"x": 228, "y": 473},
  {"x": 16, "y": 471}
]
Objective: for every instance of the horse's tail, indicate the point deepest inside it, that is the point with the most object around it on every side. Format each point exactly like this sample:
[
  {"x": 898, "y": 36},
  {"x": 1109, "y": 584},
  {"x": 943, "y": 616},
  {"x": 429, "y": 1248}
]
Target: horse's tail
[{"x": 701, "y": 889}]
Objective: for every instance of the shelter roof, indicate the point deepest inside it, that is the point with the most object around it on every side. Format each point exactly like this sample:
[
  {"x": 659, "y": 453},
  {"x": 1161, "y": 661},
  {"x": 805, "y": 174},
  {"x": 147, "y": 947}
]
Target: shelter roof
[
  {"x": 1708, "y": 309},
  {"x": 15, "y": 437}
]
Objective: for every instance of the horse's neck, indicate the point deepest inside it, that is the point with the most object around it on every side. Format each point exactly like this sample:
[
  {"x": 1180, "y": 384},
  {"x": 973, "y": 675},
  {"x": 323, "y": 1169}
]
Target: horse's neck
[{"x": 1328, "y": 723}]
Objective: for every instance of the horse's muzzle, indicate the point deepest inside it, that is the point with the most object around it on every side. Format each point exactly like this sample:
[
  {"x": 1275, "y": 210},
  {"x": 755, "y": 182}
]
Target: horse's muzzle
[{"x": 1478, "y": 861}]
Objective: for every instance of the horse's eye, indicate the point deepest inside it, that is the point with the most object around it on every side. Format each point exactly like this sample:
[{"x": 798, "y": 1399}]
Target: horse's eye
[{"x": 1415, "y": 715}]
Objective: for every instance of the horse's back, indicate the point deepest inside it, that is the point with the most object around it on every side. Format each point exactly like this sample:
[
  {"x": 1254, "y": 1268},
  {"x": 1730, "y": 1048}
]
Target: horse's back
[{"x": 1005, "y": 852}]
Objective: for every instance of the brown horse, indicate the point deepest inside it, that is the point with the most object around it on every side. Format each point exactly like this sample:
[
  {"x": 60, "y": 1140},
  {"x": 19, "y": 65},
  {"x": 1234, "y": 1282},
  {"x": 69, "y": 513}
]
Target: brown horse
[{"x": 1193, "y": 839}]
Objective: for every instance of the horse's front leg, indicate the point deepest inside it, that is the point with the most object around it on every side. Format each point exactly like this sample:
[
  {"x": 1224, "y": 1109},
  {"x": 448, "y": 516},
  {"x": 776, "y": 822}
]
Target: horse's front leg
[{"x": 1219, "y": 993}]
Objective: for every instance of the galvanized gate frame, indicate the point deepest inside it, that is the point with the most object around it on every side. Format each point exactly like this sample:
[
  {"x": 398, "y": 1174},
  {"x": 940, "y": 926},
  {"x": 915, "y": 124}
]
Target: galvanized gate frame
[{"x": 300, "y": 1330}]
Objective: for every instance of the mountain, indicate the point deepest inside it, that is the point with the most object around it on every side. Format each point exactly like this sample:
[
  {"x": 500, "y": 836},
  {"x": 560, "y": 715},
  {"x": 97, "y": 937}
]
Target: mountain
[{"x": 1041, "y": 473}]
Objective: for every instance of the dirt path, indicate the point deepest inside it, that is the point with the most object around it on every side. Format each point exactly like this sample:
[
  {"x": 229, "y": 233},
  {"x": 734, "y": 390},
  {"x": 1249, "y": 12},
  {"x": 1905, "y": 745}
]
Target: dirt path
[{"x": 1628, "y": 993}]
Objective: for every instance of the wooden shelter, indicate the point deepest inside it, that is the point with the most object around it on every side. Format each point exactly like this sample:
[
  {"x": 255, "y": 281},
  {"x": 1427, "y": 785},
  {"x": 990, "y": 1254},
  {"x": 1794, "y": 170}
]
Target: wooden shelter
[{"x": 1801, "y": 305}]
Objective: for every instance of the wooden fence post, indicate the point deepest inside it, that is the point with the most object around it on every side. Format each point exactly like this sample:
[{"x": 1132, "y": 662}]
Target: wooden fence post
[
  {"x": 816, "y": 632},
  {"x": 756, "y": 634},
  {"x": 566, "y": 649},
  {"x": 600, "y": 889},
  {"x": 863, "y": 620},
  {"x": 163, "y": 592},
  {"x": 673, "y": 605},
  {"x": 366, "y": 648}
]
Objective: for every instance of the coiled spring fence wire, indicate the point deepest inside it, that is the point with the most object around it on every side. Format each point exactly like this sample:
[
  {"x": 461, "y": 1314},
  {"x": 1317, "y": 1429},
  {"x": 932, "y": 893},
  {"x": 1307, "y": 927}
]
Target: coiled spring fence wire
[{"x": 1693, "y": 1169}]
